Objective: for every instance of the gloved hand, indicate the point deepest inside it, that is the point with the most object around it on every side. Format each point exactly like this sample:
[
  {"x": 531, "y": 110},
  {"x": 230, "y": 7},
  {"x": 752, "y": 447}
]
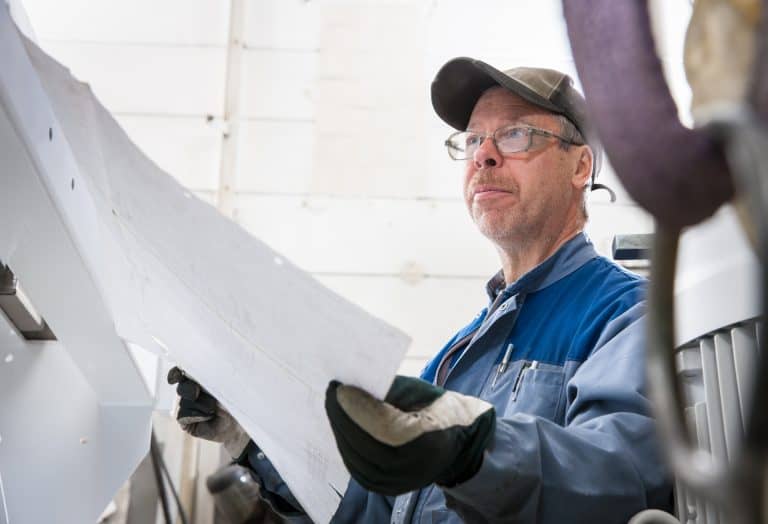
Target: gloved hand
[
  {"x": 419, "y": 435},
  {"x": 201, "y": 415}
]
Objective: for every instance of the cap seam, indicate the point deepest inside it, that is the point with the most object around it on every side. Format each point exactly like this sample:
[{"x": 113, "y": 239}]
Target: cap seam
[{"x": 555, "y": 87}]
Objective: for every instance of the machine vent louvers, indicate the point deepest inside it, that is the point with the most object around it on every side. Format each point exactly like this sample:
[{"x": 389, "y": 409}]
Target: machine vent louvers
[{"x": 715, "y": 373}]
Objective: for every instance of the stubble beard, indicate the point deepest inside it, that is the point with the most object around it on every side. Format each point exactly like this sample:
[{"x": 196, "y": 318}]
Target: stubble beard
[{"x": 501, "y": 226}]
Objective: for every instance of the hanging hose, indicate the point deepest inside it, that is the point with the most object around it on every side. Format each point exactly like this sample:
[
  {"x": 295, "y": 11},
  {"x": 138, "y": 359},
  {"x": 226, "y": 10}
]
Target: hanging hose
[
  {"x": 740, "y": 487},
  {"x": 663, "y": 164},
  {"x": 678, "y": 174}
]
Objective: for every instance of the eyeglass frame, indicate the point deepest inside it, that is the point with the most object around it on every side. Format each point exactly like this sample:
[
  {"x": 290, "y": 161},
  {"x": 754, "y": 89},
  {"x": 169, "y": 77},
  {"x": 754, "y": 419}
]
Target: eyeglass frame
[{"x": 532, "y": 130}]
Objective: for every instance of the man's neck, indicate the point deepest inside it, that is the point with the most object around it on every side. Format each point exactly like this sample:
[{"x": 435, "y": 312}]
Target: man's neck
[{"x": 518, "y": 259}]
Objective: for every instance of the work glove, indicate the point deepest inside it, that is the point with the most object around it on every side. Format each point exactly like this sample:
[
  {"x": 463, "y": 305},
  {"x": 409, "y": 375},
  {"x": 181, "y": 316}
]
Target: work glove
[
  {"x": 419, "y": 435},
  {"x": 201, "y": 415}
]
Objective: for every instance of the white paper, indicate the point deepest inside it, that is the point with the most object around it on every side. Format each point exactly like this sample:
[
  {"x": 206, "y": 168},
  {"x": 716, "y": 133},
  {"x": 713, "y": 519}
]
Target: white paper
[{"x": 181, "y": 280}]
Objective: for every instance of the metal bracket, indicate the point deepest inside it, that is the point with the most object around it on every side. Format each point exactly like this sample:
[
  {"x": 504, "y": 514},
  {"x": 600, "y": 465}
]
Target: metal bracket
[{"x": 19, "y": 309}]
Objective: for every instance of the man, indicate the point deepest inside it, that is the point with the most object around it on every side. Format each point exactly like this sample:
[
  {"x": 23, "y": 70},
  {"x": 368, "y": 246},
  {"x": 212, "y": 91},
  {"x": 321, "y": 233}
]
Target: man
[{"x": 534, "y": 412}]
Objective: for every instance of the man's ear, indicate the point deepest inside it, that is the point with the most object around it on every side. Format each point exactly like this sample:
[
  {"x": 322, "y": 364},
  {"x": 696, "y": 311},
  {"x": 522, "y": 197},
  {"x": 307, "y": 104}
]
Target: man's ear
[{"x": 583, "y": 171}]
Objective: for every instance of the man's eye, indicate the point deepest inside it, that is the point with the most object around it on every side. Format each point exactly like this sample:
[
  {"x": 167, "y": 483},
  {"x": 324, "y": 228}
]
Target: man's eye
[
  {"x": 472, "y": 140},
  {"x": 512, "y": 133}
]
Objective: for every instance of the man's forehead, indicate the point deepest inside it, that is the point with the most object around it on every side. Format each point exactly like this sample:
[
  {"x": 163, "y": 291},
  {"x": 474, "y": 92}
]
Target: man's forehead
[{"x": 498, "y": 103}]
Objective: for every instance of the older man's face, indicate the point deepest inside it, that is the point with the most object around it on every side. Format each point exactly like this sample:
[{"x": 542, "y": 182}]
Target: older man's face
[{"x": 515, "y": 198}]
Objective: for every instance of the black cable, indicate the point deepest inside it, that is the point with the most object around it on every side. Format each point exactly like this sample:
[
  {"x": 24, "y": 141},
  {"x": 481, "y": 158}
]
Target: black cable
[
  {"x": 157, "y": 460},
  {"x": 182, "y": 515}
]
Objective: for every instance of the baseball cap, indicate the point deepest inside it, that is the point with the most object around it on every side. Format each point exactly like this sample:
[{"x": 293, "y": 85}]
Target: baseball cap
[{"x": 459, "y": 84}]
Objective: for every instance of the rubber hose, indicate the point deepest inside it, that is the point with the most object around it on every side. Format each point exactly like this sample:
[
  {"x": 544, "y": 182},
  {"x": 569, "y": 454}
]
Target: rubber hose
[{"x": 677, "y": 174}]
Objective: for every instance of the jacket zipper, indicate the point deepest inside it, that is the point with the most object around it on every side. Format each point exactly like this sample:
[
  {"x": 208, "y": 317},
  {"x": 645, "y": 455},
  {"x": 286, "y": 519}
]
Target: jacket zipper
[{"x": 519, "y": 299}]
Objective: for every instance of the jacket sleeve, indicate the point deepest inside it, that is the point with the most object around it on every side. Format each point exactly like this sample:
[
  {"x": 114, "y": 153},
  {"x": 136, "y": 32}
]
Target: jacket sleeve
[
  {"x": 357, "y": 505},
  {"x": 274, "y": 491},
  {"x": 603, "y": 465}
]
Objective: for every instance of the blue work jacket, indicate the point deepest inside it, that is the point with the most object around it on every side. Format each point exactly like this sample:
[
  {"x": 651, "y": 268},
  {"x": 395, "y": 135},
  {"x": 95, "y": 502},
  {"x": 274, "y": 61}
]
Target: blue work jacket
[{"x": 574, "y": 439}]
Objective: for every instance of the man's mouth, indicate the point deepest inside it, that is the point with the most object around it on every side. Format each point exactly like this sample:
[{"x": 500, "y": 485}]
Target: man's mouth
[{"x": 488, "y": 192}]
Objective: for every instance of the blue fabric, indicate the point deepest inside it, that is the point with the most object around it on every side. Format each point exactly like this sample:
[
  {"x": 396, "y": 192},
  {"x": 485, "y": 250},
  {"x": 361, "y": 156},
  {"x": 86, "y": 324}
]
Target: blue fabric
[
  {"x": 273, "y": 489},
  {"x": 574, "y": 440}
]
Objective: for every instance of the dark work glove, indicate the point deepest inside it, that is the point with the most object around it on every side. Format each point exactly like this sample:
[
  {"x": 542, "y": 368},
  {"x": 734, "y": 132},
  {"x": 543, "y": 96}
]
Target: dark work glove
[
  {"x": 201, "y": 415},
  {"x": 419, "y": 435}
]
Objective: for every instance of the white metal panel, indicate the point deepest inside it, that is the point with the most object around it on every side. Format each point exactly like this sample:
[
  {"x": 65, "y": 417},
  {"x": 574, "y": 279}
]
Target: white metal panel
[
  {"x": 187, "y": 148},
  {"x": 278, "y": 85},
  {"x": 88, "y": 439},
  {"x": 187, "y": 22},
  {"x": 716, "y": 266},
  {"x": 41, "y": 174},
  {"x": 62, "y": 453},
  {"x": 148, "y": 79}
]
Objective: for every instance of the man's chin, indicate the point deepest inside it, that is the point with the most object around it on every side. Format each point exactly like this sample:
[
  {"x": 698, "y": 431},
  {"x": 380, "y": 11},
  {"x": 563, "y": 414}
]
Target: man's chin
[{"x": 495, "y": 230}]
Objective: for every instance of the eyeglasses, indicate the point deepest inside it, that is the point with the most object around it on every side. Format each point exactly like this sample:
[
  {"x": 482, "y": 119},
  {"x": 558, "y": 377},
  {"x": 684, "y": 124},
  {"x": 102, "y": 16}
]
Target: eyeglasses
[{"x": 509, "y": 139}]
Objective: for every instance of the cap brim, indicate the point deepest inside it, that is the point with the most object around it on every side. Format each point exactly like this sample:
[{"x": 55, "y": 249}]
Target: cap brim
[{"x": 460, "y": 83}]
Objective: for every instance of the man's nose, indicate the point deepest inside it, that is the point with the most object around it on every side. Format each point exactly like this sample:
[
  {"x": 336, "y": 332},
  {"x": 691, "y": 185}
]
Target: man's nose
[{"x": 486, "y": 155}]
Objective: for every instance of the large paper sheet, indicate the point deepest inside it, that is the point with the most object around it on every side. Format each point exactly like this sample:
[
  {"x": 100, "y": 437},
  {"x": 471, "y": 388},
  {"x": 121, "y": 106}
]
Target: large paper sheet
[{"x": 181, "y": 280}]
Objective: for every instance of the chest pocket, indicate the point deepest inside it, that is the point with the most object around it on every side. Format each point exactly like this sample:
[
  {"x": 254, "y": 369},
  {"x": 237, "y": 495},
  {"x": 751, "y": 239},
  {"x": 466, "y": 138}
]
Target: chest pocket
[
  {"x": 538, "y": 391},
  {"x": 444, "y": 516}
]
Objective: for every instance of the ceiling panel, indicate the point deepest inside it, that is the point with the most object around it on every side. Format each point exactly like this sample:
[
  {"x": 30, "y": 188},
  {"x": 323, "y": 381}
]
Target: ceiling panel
[
  {"x": 275, "y": 157},
  {"x": 512, "y": 33},
  {"x": 363, "y": 235},
  {"x": 187, "y": 148},
  {"x": 377, "y": 152},
  {"x": 185, "y": 22},
  {"x": 282, "y": 24},
  {"x": 279, "y": 84},
  {"x": 148, "y": 79}
]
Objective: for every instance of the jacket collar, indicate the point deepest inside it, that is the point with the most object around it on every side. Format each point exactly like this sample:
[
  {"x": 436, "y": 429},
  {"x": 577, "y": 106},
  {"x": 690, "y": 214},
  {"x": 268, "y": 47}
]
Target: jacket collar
[{"x": 568, "y": 258}]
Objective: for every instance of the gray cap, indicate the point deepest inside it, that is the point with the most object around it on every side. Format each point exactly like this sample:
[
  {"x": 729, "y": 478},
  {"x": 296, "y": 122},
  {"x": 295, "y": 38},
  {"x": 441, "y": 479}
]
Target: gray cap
[{"x": 461, "y": 81}]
